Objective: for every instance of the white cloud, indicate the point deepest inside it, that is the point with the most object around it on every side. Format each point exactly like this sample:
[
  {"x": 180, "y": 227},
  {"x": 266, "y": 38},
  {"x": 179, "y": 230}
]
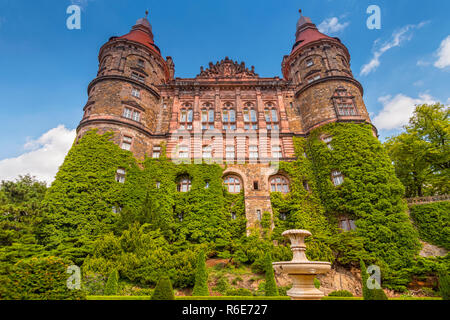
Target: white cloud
[
  {"x": 332, "y": 25},
  {"x": 397, "y": 38},
  {"x": 398, "y": 110},
  {"x": 43, "y": 158},
  {"x": 444, "y": 54}
]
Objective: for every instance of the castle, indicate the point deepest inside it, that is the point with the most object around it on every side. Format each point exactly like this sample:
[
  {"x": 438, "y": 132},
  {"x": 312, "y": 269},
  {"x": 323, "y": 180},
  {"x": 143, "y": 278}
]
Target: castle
[{"x": 227, "y": 114}]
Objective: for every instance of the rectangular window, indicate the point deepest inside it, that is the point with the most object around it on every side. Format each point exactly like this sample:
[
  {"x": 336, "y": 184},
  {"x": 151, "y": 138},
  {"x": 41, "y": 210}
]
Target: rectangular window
[
  {"x": 156, "y": 152},
  {"x": 253, "y": 152},
  {"x": 309, "y": 63},
  {"x": 204, "y": 116},
  {"x": 276, "y": 152},
  {"x": 337, "y": 177},
  {"x": 207, "y": 152},
  {"x": 346, "y": 110},
  {"x": 136, "y": 93},
  {"x": 141, "y": 63},
  {"x": 120, "y": 175},
  {"x": 258, "y": 215},
  {"x": 136, "y": 116},
  {"x": 126, "y": 143},
  {"x": 183, "y": 152},
  {"x": 127, "y": 113},
  {"x": 230, "y": 154},
  {"x": 138, "y": 77},
  {"x": 246, "y": 116},
  {"x": 328, "y": 140}
]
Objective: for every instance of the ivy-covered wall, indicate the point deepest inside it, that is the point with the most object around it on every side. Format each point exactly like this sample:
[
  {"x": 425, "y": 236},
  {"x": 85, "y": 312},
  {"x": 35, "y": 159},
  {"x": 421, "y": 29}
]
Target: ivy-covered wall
[
  {"x": 433, "y": 222},
  {"x": 147, "y": 236}
]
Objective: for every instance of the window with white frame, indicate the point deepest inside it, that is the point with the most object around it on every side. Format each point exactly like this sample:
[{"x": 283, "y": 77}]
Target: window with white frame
[
  {"x": 132, "y": 114},
  {"x": 309, "y": 63},
  {"x": 208, "y": 115},
  {"x": 233, "y": 184},
  {"x": 250, "y": 117},
  {"x": 156, "y": 152},
  {"x": 184, "y": 184},
  {"x": 271, "y": 117},
  {"x": 126, "y": 143},
  {"x": 136, "y": 93},
  {"x": 337, "y": 178},
  {"x": 183, "y": 152},
  {"x": 120, "y": 175},
  {"x": 207, "y": 152},
  {"x": 346, "y": 109},
  {"x": 138, "y": 77},
  {"x": 279, "y": 184},
  {"x": 253, "y": 152},
  {"x": 328, "y": 141},
  {"x": 186, "y": 117},
  {"x": 276, "y": 152},
  {"x": 230, "y": 152},
  {"x": 229, "y": 117}
]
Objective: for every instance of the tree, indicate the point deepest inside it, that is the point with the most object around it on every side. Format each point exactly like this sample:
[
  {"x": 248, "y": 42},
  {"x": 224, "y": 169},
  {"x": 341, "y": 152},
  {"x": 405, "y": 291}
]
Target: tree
[
  {"x": 163, "y": 290},
  {"x": 271, "y": 286},
  {"x": 421, "y": 154},
  {"x": 201, "y": 277},
  {"x": 112, "y": 285}
]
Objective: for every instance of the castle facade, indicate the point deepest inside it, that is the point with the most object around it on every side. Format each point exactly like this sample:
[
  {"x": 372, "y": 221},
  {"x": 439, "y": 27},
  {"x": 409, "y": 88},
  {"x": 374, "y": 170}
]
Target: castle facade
[{"x": 227, "y": 114}]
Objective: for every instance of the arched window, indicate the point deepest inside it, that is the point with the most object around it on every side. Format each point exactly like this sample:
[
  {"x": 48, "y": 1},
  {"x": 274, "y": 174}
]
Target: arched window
[
  {"x": 233, "y": 184},
  {"x": 184, "y": 184},
  {"x": 229, "y": 117},
  {"x": 279, "y": 184},
  {"x": 207, "y": 117},
  {"x": 271, "y": 116},
  {"x": 186, "y": 117},
  {"x": 250, "y": 117}
]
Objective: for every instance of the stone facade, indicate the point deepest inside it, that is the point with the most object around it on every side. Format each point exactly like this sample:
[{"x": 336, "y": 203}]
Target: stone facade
[{"x": 227, "y": 114}]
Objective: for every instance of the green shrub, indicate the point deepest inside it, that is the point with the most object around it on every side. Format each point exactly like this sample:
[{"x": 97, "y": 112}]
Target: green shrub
[
  {"x": 222, "y": 285},
  {"x": 370, "y": 294},
  {"x": 94, "y": 284},
  {"x": 39, "y": 279},
  {"x": 433, "y": 222},
  {"x": 112, "y": 285},
  {"x": 444, "y": 285},
  {"x": 271, "y": 285},
  {"x": 201, "y": 277},
  {"x": 340, "y": 293},
  {"x": 163, "y": 290},
  {"x": 239, "y": 292}
]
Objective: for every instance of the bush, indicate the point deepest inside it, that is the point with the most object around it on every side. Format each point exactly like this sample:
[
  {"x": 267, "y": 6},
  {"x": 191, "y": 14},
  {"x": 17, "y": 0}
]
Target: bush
[
  {"x": 340, "y": 293},
  {"x": 444, "y": 285},
  {"x": 239, "y": 292},
  {"x": 201, "y": 277},
  {"x": 112, "y": 285},
  {"x": 370, "y": 294},
  {"x": 163, "y": 290},
  {"x": 317, "y": 283},
  {"x": 94, "y": 284},
  {"x": 270, "y": 286},
  {"x": 39, "y": 279}
]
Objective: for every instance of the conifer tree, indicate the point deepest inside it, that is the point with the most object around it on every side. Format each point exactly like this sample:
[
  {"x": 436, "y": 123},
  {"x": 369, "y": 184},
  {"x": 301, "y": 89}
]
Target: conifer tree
[
  {"x": 163, "y": 290},
  {"x": 271, "y": 285},
  {"x": 370, "y": 294},
  {"x": 201, "y": 277},
  {"x": 112, "y": 285},
  {"x": 444, "y": 285}
]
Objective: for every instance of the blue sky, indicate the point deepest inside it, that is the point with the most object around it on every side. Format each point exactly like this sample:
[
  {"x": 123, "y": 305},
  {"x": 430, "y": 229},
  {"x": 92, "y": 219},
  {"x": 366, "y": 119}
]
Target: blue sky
[{"x": 45, "y": 68}]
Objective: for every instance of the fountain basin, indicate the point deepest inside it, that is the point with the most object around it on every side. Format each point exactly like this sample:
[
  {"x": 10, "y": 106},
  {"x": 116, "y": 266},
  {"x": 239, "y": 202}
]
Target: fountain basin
[{"x": 307, "y": 267}]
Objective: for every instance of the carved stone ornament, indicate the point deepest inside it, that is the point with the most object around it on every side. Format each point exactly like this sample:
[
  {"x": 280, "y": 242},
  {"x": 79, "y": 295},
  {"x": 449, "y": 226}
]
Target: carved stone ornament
[{"x": 227, "y": 69}]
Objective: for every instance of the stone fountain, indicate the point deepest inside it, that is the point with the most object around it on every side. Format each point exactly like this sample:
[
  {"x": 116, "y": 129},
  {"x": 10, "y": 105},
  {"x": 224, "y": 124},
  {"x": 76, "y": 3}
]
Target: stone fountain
[{"x": 300, "y": 269}]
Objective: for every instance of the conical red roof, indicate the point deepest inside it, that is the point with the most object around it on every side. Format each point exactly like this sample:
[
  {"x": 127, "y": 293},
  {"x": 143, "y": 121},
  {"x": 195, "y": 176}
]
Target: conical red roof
[
  {"x": 142, "y": 33},
  {"x": 307, "y": 32}
]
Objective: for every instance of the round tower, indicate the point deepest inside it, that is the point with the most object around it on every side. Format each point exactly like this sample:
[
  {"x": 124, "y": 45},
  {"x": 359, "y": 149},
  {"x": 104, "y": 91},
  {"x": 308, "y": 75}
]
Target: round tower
[
  {"x": 124, "y": 97},
  {"x": 325, "y": 89}
]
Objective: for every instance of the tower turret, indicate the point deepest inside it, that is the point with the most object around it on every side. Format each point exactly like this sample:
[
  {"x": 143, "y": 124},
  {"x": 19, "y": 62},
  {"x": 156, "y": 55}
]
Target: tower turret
[
  {"x": 124, "y": 97},
  {"x": 319, "y": 68}
]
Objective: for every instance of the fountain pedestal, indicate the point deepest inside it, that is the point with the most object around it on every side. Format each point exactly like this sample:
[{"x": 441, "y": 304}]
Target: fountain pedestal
[{"x": 300, "y": 269}]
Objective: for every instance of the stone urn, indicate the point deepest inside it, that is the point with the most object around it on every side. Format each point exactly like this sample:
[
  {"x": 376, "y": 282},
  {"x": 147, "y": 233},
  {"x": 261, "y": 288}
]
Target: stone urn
[{"x": 300, "y": 269}]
